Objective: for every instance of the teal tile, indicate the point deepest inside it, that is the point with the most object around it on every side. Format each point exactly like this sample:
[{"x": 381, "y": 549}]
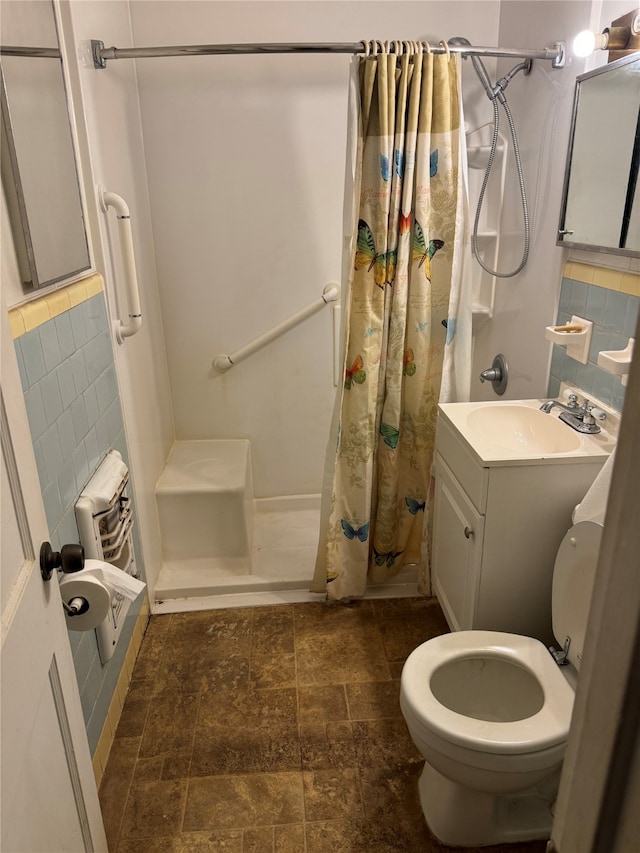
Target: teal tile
[
  {"x": 600, "y": 341},
  {"x": 565, "y": 296},
  {"x": 585, "y": 376},
  {"x": 68, "y": 529},
  {"x": 569, "y": 370},
  {"x": 553, "y": 389},
  {"x": 102, "y": 435},
  {"x": 52, "y": 504},
  {"x": 615, "y": 310},
  {"x": 66, "y": 434},
  {"x": 557, "y": 360},
  {"x": 65, "y": 335},
  {"x": 79, "y": 368},
  {"x": 35, "y": 412},
  {"x": 51, "y": 397},
  {"x": 50, "y": 345},
  {"x": 91, "y": 407},
  {"x": 91, "y": 361},
  {"x": 595, "y": 303},
  {"x": 618, "y": 341},
  {"x": 40, "y": 463},
  {"x": 95, "y": 316},
  {"x": 80, "y": 466},
  {"x": 67, "y": 484},
  {"x": 21, "y": 368},
  {"x": 33, "y": 356},
  {"x": 66, "y": 383},
  {"x": 106, "y": 388},
  {"x": 578, "y": 298},
  {"x": 619, "y": 391},
  {"x": 50, "y": 444},
  {"x": 631, "y": 319},
  {"x": 79, "y": 417},
  {"x": 78, "y": 326},
  {"x": 114, "y": 419},
  {"x": 92, "y": 450},
  {"x": 90, "y": 690},
  {"x": 84, "y": 653},
  {"x": 104, "y": 351},
  {"x": 603, "y": 386}
]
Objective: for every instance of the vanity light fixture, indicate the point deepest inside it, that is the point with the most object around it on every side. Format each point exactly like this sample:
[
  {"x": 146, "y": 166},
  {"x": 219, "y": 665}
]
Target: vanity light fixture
[{"x": 611, "y": 38}]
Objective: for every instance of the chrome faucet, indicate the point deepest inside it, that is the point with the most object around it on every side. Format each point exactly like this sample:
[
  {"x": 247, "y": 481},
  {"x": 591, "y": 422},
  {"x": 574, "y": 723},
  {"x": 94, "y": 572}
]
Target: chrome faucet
[
  {"x": 573, "y": 407},
  {"x": 581, "y": 418}
]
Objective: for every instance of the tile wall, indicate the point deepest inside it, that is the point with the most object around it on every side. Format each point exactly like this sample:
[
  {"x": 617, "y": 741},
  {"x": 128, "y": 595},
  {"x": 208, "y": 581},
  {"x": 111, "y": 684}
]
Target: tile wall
[
  {"x": 610, "y": 299},
  {"x": 65, "y": 358}
]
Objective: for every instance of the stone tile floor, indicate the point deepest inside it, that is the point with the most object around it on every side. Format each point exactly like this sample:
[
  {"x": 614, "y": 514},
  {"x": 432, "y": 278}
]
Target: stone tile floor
[{"x": 272, "y": 730}]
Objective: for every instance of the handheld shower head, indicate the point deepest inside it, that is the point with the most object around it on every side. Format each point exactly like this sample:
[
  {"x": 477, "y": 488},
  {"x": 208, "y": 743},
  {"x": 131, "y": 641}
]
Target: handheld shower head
[{"x": 496, "y": 95}]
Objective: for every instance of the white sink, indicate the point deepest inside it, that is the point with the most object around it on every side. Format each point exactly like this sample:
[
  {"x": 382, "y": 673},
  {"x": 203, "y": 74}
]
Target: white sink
[
  {"x": 504, "y": 432},
  {"x": 523, "y": 428}
]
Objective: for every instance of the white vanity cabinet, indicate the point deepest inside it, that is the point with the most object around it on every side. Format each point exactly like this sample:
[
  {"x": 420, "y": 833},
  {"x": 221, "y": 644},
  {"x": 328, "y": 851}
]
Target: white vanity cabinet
[{"x": 497, "y": 526}]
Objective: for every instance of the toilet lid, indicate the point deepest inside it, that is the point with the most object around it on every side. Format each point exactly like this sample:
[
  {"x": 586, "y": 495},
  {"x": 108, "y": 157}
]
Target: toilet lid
[{"x": 546, "y": 727}]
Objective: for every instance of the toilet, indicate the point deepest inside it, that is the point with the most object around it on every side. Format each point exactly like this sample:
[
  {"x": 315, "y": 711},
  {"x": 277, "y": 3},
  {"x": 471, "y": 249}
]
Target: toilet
[{"x": 490, "y": 713}]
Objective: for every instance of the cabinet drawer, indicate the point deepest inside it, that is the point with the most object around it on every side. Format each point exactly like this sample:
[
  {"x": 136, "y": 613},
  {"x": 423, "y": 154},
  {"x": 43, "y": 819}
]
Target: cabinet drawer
[{"x": 473, "y": 478}]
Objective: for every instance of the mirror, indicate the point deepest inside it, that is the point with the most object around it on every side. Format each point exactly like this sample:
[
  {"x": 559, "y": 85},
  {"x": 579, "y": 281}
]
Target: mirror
[
  {"x": 39, "y": 175},
  {"x": 601, "y": 203}
]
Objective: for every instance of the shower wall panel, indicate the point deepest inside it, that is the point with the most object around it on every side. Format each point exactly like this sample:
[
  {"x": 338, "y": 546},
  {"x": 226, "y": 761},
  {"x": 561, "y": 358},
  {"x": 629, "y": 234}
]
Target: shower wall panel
[{"x": 246, "y": 162}]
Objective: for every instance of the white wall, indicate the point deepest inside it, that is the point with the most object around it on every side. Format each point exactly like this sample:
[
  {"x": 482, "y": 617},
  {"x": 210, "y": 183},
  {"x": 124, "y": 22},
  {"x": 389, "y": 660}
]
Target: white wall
[
  {"x": 541, "y": 106},
  {"x": 245, "y": 158},
  {"x": 111, "y": 143}
]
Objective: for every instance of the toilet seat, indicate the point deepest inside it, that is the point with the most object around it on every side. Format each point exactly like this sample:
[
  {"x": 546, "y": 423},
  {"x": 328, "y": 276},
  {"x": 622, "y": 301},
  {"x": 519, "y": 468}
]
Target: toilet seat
[{"x": 543, "y": 730}]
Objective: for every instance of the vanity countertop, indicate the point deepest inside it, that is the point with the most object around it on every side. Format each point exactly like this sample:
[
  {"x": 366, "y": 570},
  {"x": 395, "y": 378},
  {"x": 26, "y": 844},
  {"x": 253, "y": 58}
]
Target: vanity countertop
[{"x": 516, "y": 432}]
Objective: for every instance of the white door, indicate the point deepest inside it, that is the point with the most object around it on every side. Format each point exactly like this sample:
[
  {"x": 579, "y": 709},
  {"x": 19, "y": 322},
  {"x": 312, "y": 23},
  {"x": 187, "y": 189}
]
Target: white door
[{"x": 48, "y": 797}]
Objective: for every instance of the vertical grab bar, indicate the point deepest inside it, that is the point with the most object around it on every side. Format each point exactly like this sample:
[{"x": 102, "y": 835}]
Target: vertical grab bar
[{"x": 107, "y": 199}]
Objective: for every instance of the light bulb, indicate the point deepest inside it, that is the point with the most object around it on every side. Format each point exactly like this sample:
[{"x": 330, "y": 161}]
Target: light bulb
[{"x": 586, "y": 42}]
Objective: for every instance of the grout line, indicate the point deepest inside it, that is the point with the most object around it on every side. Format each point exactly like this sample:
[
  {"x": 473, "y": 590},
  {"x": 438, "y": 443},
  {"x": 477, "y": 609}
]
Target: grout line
[{"x": 190, "y": 777}]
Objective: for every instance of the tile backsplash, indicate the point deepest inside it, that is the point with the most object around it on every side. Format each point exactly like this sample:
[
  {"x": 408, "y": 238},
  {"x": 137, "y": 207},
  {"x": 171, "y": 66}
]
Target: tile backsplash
[
  {"x": 614, "y": 314},
  {"x": 67, "y": 370}
]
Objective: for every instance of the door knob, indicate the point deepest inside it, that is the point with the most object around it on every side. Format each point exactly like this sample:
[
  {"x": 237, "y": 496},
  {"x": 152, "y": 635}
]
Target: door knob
[
  {"x": 70, "y": 558},
  {"x": 468, "y": 532}
]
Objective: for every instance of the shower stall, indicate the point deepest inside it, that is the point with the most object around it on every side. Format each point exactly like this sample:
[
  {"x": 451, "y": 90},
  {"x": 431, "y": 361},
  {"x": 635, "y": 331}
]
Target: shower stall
[{"x": 243, "y": 181}]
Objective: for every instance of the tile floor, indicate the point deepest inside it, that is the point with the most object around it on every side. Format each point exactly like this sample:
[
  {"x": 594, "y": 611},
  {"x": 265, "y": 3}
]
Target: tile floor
[{"x": 272, "y": 730}]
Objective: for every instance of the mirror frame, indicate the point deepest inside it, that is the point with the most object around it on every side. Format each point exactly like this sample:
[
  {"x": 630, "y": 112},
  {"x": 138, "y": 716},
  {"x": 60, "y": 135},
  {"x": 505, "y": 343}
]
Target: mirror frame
[
  {"x": 20, "y": 214},
  {"x": 563, "y": 239}
]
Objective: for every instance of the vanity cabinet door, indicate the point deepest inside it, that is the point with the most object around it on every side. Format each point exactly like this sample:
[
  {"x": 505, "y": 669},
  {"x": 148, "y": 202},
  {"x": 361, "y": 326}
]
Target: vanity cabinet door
[{"x": 458, "y": 531}]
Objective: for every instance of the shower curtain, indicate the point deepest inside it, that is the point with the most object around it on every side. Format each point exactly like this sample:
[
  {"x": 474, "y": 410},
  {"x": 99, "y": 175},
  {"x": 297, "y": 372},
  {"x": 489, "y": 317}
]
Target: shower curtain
[{"x": 406, "y": 318}]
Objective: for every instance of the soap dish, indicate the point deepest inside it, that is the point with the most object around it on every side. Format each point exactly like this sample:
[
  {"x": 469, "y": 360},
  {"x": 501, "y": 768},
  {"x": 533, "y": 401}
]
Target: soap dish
[
  {"x": 575, "y": 336},
  {"x": 617, "y": 361}
]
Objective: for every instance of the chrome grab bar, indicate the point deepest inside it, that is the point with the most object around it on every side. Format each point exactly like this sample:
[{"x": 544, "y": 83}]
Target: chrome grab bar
[{"x": 222, "y": 363}]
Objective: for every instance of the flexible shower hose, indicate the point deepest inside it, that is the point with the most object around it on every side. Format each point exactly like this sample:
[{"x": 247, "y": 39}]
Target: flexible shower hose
[{"x": 523, "y": 195}]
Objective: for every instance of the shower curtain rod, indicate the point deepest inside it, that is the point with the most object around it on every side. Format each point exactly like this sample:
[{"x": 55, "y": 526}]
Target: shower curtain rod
[{"x": 102, "y": 54}]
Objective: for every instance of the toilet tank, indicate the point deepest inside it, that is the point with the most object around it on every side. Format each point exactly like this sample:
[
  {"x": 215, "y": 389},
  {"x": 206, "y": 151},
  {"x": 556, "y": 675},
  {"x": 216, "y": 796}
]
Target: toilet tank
[{"x": 573, "y": 579}]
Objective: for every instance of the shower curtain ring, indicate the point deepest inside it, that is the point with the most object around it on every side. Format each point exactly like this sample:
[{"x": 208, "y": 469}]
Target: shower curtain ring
[
  {"x": 444, "y": 45},
  {"x": 397, "y": 46},
  {"x": 387, "y": 48},
  {"x": 426, "y": 47},
  {"x": 365, "y": 45}
]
